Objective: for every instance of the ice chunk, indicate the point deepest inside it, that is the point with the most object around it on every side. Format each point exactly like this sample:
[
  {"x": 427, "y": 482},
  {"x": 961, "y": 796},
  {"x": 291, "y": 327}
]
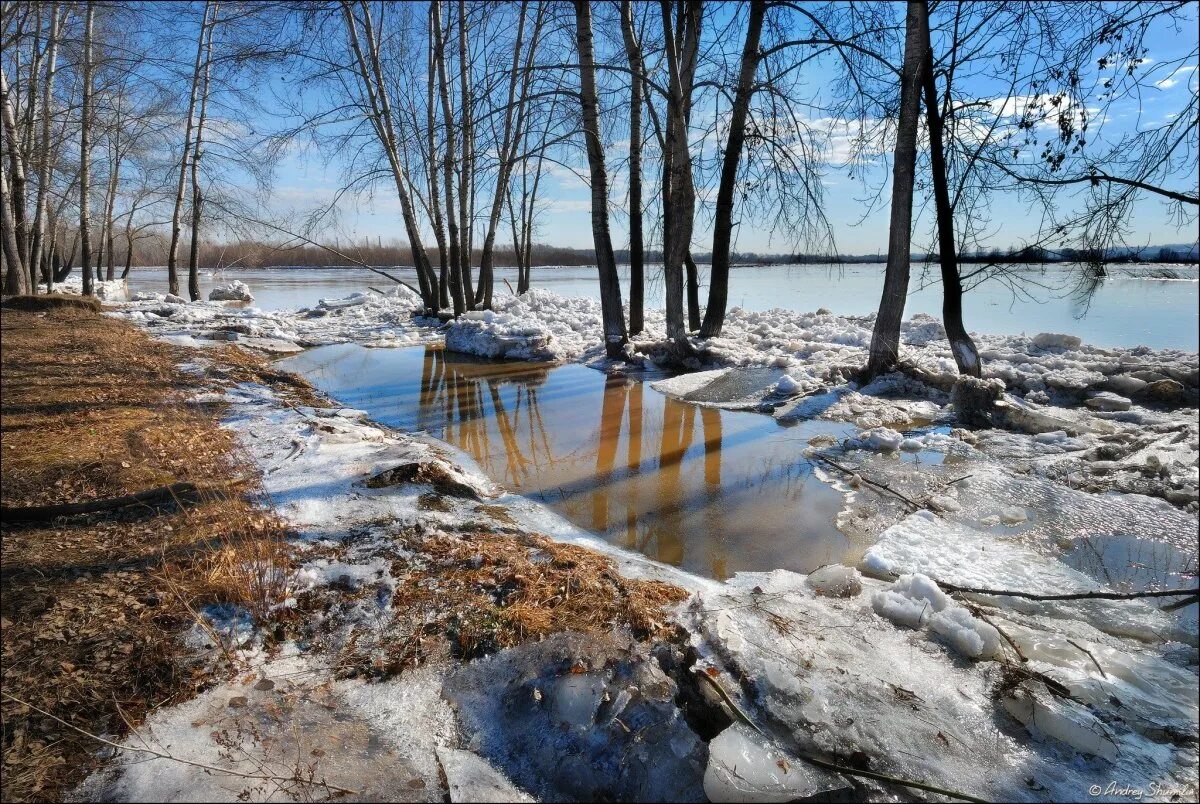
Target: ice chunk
[
  {"x": 1061, "y": 719},
  {"x": 470, "y": 778},
  {"x": 1013, "y": 515},
  {"x": 968, "y": 635},
  {"x": 234, "y": 291},
  {"x": 910, "y": 600},
  {"x": 1054, "y": 340},
  {"x": 881, "y": 438},
  {"x": 836, "y": 580},
  {"x": 742, "y": 767},
  {"x": 1108, "y": 401},
  {"x": 787, "y": 386}
]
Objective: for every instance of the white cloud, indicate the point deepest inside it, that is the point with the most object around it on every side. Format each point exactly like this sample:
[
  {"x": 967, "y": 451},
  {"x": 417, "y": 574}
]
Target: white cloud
[{"x": 1172, "y": 79}]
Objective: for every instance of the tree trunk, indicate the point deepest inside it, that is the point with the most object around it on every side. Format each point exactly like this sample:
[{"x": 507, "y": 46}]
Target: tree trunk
[
  {"x": 39, "y": 251},
  {"x": 718, "y": 274},
  {"x": 885, "y": 340},
  {"x": 110, "y": 200},
  {"x": 435, "y": 202},
  {"x": 197, "y": 154},
  {"x": 14, "y": 272},
  {"x": 465, "y": 219},
  {"x": 457, "y": 293},
  {"x": 637, "y": 265},
  {"x": 507, "y": 152},
  {"x": 681, "y": 192},
  {"x": 610, "y": 285},
  {"x": 128, "y": 248},
  {"x": 177, "y": 211},
  {"x": 16, "y": 279},
  {"x": 693, "y": 292},
  {"x": 961, "y": 345},
  {"x": 85, "y": 152}
]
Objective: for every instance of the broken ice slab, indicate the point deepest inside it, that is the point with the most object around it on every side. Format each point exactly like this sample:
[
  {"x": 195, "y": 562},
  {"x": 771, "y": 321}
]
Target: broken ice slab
[
  {"x": 954, "y": 553},
  {"x": 735, "y": 388},
  {"x": 580, "y": 718},
  {"x": 744, "y": 767},
  {"x": 470, "y": 778}
]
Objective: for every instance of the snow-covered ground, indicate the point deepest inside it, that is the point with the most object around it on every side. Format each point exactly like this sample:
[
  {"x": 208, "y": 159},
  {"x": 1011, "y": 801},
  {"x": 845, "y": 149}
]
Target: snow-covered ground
[{"x": 877, "y": 667}]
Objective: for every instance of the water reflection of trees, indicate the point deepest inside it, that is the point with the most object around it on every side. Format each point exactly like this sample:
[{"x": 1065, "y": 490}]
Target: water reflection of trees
[
  {"x": 461, "y": 396},
  {"x": 629, "y": 480}
]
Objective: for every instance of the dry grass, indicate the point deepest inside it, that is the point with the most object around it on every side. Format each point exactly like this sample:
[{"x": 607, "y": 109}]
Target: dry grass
[
  {"x": 462, "y": 596},
  {"x": 94, "y": 606}
]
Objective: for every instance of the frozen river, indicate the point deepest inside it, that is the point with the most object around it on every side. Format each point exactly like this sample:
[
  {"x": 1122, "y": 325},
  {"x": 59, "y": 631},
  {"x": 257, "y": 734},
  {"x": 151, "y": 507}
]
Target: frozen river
[{"x": 1128, "y": 309}]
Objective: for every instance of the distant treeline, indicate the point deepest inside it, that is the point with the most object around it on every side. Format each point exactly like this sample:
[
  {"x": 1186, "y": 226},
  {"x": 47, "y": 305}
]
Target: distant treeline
[{"x": 258, "y": 254}]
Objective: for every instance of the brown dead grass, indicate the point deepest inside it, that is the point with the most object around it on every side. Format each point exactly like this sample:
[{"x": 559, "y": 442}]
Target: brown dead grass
[
  {"x": 94, "y": 606},
  {"x": 463, "y": 596}
]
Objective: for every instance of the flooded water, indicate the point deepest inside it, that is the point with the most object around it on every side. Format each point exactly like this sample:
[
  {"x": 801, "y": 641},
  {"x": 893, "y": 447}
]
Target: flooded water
[
  {"x": 1124, "y": 310},
  {"x": 715, "y": 492}
]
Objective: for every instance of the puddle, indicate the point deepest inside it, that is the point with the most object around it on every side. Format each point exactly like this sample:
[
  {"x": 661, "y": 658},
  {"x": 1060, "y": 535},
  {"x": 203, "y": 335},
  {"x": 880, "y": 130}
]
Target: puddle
[{"x": 714, "y": 492}]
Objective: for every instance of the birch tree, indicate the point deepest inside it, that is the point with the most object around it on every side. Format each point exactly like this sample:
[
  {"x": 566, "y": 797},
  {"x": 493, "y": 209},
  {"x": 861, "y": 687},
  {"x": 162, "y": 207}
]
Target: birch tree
[
  {"x": 85, "y": 151},
  {"x": 185, "y": 153},
  {"x": 637, "y": 267},
  {"x": 615, "y": 336}
]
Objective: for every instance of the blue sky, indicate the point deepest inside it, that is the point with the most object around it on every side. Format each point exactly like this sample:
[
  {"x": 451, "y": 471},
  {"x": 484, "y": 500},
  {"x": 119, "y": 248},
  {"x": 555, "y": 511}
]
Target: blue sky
[{"x": 306, "y": 180}]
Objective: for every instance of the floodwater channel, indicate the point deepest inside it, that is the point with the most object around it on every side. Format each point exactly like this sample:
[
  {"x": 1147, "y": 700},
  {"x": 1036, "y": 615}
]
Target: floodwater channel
[{"x": 712, "y": 491}]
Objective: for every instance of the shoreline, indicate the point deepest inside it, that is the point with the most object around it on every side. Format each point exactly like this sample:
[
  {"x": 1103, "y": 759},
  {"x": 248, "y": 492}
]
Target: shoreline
[{"x": 751, "y": 633}]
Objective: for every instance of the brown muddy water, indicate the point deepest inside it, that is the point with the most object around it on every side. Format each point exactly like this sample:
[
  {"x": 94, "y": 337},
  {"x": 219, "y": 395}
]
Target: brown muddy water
[{"x": 715, "y": 492}]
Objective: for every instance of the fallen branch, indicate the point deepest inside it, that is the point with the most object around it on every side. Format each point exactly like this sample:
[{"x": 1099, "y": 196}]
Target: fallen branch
[
  {"x": 1090, "y": 655},
  {"x": 264, "y": 777},
  {"x": 1179, "y": 604},
  {"x": 155, "y": 496},
  {"x": 850, "y": 472},
  {"x": 971, "y": 590}
]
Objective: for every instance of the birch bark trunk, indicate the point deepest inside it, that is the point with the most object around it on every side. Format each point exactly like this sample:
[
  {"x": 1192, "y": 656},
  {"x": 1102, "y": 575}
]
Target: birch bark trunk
[
  {"x": 177, "y": 211},
  {"x": 85, "y": 152},
  {"x": 610, "y": 288},
  {"x": 637, "y": 269},
  {"x": 197, "y": 154}
]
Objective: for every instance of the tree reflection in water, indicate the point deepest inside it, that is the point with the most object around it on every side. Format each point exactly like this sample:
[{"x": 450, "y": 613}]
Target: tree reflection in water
[{"x": 713, "y": 491}]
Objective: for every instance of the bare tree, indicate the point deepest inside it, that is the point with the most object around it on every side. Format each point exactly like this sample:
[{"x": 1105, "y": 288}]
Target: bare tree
[
  {"x": 185, "y": 152},
  {"x": 197, "y": 154},
  {"x": 637, "y": 268},
  {"x": 615, "y": 336},
  {"x": 885, "y": 339},
  {"x": 681, "y": 39},
  {"x": 458, "y": 292},
  {"x": 85, "y": 151},
  {"x": 966, "y": 355},
  {"x": 718, "y": 279}
]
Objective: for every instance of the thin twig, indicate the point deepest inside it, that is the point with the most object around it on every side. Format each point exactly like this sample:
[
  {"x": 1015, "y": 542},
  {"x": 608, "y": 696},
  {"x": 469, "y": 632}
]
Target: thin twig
[
  {"x": 1091, "y": 656},
  {"x": 163, "y": 755},
  {"x": 916, "y": 505}
]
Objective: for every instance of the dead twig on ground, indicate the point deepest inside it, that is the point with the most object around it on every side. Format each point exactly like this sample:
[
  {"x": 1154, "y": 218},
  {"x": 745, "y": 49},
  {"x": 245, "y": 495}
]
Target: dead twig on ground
[
  {"x": 916, "y": 506},
  {"x": 265, "y": 777}
]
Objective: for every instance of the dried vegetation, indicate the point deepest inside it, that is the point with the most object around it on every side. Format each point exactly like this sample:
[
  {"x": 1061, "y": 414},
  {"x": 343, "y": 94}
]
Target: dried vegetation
[{"x": 95, "y": 606}]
